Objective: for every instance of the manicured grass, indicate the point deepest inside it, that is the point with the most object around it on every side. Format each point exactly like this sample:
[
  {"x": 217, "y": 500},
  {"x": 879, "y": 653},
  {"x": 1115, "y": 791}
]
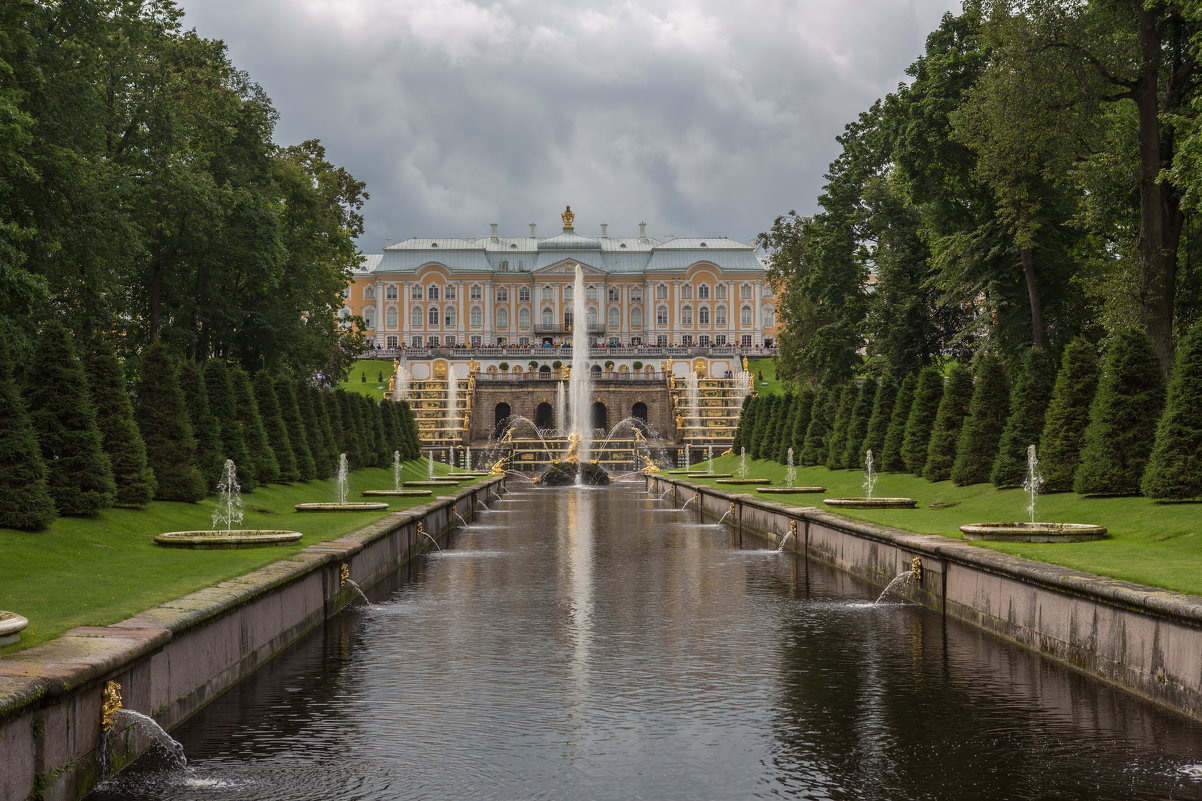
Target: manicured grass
[
  {"x": 767, "y": 366},
  {"x": 96, "y": 571},
  {"x": 1148, "y": 543},
  {"x": 375, "y": 371}
]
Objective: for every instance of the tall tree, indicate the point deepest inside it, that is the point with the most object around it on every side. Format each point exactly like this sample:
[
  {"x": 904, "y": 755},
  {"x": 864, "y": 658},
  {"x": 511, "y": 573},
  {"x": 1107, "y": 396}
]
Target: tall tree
[
  {"x": 982, "y": 429},
  {"x": 121, "y": 439},
  {"x": 25, "y": 501},
  {"x": 166, "y": 429}
]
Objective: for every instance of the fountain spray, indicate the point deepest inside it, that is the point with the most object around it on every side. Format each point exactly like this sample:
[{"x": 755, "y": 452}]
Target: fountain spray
[
  {"x": 343, "y": 471},
  {"x": 790, "y": 471},
  {"x": 869, "y": 474},
  {"x": 227, "y": 514},
  {"x": 396, "y": 470},
  {"x": 579, "y": 390},
  {"x": 1033, "y": 482}
]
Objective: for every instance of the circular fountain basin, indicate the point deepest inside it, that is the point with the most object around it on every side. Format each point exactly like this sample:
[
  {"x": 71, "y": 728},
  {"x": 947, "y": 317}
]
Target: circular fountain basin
[
  {"x": 227, "y": 540},
  {"x": 871, "y": 503},
  {"x": 437, "y": 482},
  {"x": 743, "y": 481},
  {"x": 709, "y": 475},
  {"x": 788, "y": 490},
  {"x": 351, "y": 506},
  {"x": 11, "y": 626},
  {"x": 401, "y": 493},
  {"x": 1033, "y": 532}
]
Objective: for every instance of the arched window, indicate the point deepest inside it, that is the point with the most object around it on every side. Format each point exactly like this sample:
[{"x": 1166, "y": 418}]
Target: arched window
[
  {"x": 590, "y": 293},
  {"x": 636, "y": 317},
  {"x": 720, "y": 316},
  {"x": 502, "y": 318},
  {"x": 432, "y": 292},
  {"x": 768, "y": 315},
  {"x": 390, "y": 292},
  {"x": 449, "y": 293},
  {"x": 369, "y": 317},
  {"x": 745, "y": 292},
  {"x": 661, "y": 316},
  {"x": 415, "y": 292},
  {"x": 703, "y": 292},
  {"x": 720, "y": 292},
  {"x": 686, "y": 291},
  {"x": 703, "y": 315},
  {"x": 661, "y": 292},
  {"x": 451, "y": 315},
  {"x": 524, "y": 294},
  {"x": 502, "y": 294},
  {"x": 613, "y": 317},
  {"x": 523, "y": 318},
  {"x": 614, "y": 294},
  {"x": 636, "y": 293},
  {"x": 546, "y": 294},
  {"x": 686, "y": 315},
  {"x": 433, "y": 316},
  {"x": 543, "y": 416},
  {"x": 475, "y": 317},
  {"x": 475, "y": 293},
  {"x": 369, "y": 292},
  {"x": 591, "y": 316},
  {"x": 500, "y": 416},
  {"x": 415, "y": 316},
  {"x": 548, "y": 317},
  {"x": 569, "y": 293},
  {"x": 390, "y": 316},
  {"x": 745, "y": 316},
  {"x": 639, "y": 411}
]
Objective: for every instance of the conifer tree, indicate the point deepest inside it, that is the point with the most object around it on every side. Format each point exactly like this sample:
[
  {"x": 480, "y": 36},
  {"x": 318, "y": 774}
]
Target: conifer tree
[
  {"x": 780, "y": 438},
  {"x": 1067, "y": 416},
  {"x": 927, "y": 394},
  {"x": 278, "y": 437},
  {"x": 391, "y": 424},
  {"x": 1174, "y": 471},
  {"x": 878, "y": 422},
  {"x": 1028, "y": 404},
  {"x": 133, "y": 478},
  {"x": 895, "y": 433},
  {"x": 80, "y": 476},
  {"x": 857, "y": 427},
  {"x": 223, "y": 406},
  {"x": 25, "y": 501},
  {"x": 1122, "y": 419},
  {"x": 409, "y": 427},
  {"x": 813, "y": 449},
  {"x": 263, "y": 459},
  {"x": 764, "y": 427},
  {"x": 210, "y": 458},
  {"x": 982, "y": 429},
  {"x": 298, "y": 430},
  {"x": 325, "y": 445},
  {"x": 746, "y": 423},
  {"x": 166, "y": 430},
  {"x": 373, "y": 415},
  {"x": 836, "y": 445},
  {"x": 802, "y": 410},
  {"x": 945, "y": 435}
]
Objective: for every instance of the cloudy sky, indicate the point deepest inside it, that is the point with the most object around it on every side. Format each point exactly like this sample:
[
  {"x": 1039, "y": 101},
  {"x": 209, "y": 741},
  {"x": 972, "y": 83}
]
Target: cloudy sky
[{"x": 700, "y": 117}]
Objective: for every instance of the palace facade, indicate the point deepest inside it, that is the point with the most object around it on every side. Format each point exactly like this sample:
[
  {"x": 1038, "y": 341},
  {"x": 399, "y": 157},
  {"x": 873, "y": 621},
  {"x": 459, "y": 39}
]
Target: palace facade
[{"x": 517, "y": 291}]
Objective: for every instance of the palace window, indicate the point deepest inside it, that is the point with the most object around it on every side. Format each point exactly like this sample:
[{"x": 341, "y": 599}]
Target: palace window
[
  {"x": 703, "y": 315},
  {"x": 502, "y": 318},
  {"x": 703, "y": 292},
  {"x": 590, "y": 315},
  {"x": 450, "y": 292},
  {"x": 369, "y": 317},
  {"x": 568, "y": 292},
  {"x": 432, "y": 318},
  {"x": 346, "y": 292},
  {"x": 590, "y": 293},
  {"x": 636, "y": 317},
  {"x": 661, "y": 292},
  {"x": 719, "y": 340},
  {"x": 745, "y": 316},
  {"x": 432, "y": 341},
  {"x": 613, "y": 318},
  {"x": 720, "y": 292},
  {"x": 547, "y": 294},
  {"x": 548, "y": 317},
  {"x": 614, "y": 294},
  {"x": 768, "y": 314},
  {"x": 703, "y": 340},
  {"x": 525, "y": 343},
  {"x": 686, "y": 339},
  {"x": 390, "y": 292},
  {"x": 745, "y": 292},
  {"x": 502, "y": 294},
  {"x": 475, "y": 317},
  {"x": 686, "y": 315},
  {"x": 686, "y": 291},
  {"x": 432, "y": 292},
  {"x": 523, "y": 318},
  {"x": 720, "y": 316},
  {"x": 416, "y": 341},
  {"x": 415, "y": 316},
  {"x": 369, "y": 292},
  {"x": 450, "y": 316},
  {"x": 391, "y": 342},
  {"x": 475, "y": 293},
  {"x": 661, "y": 316},
  {"x": 636, "y": 293},
  {"x": 745, "y": 340},
  {"x": 450, "y": 340},
  {"x": 524, "y": 294},
  {"x": 475, "y": 340},
  {"x": 415, "y": 292},
  {"x": 390, "y": 317}
]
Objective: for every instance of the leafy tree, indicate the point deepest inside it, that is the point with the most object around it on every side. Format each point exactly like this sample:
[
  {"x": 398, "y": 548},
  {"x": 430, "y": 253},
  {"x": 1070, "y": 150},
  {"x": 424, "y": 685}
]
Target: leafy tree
[
  {"x": 210, "y": 452},
  {"x": 25, "y": 501},
  {"x": 1174, "y": 470},
  {"x": 1122, "y": 418},
  {"x": 166, "y": 429},
  {"x": 80, "y": 474},
  {"x": 122, "y": 442},
  {"x": 1067, "y": 416},
  {"x": 982, "y": 430},
  {"x": 836, "y": 443},
  {"x": 928, "y": 391},
  {"x": 1028, "y": 404},
  {"x": 890, "y": 457},
  {"x": 857, "y": 426},
  {"x": 945, "y": 434}
]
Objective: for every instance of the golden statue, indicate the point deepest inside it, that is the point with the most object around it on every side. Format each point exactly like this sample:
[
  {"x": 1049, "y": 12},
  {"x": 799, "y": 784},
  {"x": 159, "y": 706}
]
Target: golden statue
[
  {"x": 391, "y": 384},
  {"x": 567, "y": 373},
  {"x": 498, "y": 469},
  {"x": 568, "y": 217},
  {"x": 745, "y": 367},
  {"x": 638, "y": 436},
  {"x": 110, "y": 704},
  {"x": 508, "y": 437},
  {"x": 726, "y": 452},
  {"x": 649, "y": 466},
  {"x": 573, "y": 454},
  {"x": 473, "y": 366},
  {"x": 679, "y": 421}
]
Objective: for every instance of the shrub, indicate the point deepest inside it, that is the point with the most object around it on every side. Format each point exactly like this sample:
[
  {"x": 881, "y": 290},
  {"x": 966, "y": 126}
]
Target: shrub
[
  {"x": 163, "y": 420},
  {"x": 121, "y": 440},
  {"x": 878, "y": 422},
  {"x": 983, "y": 427},
  {"x": 857, "y": 427},
  {"x": 609, "y": 365},
  {"x": 763, "y": 427},
  {"x": 1122, "y": 418},
  {"x": 210, "y": 458},
  {"x": 746, "y": 421},
  {"x": 299, "y": 431},
  {"x": 803, "y": 407},
  {"x": 278, "y": 436},
  {"x": 1067, "y": 416},
  {"x": 533, "y": 364},
  {"x": 79, "y": 473},
  {"x": 836, "y": 445},
  {"x": 224, "y": 407},
  {"x": 1174, "y": 469},
  {"x": 556, "y": 365},
  {"x": 813, "y": 450},
  {"x": 1028, "y": 404},
  {"x": 945, "y": 434},
  {"x": 263, "y": 461},
  {"x": 927, "y": 394},
  {"x": 890, "y": 457},
  {"x": 784, "y": 426},
  {"x": 25, "y": 501},
  {"x": 504, "y": 367},
  {"x": 637, "y": 366}
]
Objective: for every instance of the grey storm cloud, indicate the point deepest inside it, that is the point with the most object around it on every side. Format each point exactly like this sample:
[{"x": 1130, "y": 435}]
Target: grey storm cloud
[{"x": 700, "y": 117}]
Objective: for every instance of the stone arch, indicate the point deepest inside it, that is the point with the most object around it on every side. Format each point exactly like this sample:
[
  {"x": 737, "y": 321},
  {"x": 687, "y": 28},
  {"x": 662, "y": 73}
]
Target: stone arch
[
  {"x": 501, "y": 415},
  {"x": 544, "y": 416},
  {"x": 600, "y": 416},
  {"x": 639, "y": 411}
]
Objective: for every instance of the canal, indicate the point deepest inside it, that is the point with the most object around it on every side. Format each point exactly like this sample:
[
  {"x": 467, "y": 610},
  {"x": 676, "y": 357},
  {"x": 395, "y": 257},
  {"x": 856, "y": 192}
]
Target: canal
[{"x": 598, "y": 644}]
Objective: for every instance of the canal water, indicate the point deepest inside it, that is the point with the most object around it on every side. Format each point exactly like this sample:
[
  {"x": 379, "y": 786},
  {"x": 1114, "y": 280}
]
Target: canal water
[{"x": 598, "y": 644}]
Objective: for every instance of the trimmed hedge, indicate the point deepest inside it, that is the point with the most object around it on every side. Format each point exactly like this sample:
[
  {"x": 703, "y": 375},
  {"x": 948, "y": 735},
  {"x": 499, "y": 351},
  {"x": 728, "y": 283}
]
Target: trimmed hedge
[
  {"x": 25, "y": 501},
  {"x": 1174, "y": 469},
  {"x": 927, "y": 394},
  {"x": 945, "y": 434},
  {"x": 1067, "y": 416},
  {"x": 120, "y": 437},
  {"x": 1028, "y": 405},
  {"x": 982, "y": 430}
]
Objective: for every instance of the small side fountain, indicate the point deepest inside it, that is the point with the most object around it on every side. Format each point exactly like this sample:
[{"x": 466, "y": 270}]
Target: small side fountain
[
  {"x": 790, "y": 487},
  {"x": 1032, "y": 531},
  {"x": 227, "y": 532},
  {"x": 741, "y": 476},
  {"x": 869, "y": 501},
  {"x": 913, "y": 575},
  {"x": 113, "y": 712},
  {"x": 342, "y": 504},
  {"x": 397, "y": 490}
]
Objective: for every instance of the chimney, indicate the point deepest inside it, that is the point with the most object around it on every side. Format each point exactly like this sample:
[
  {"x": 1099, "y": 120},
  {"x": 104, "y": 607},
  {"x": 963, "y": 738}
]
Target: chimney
[
  {"x": 605, "y": 229},
  {"x": 531, "y": 229},
  {"x": 493, "y": 227},
  {"x": 388, "y": 242},
  {"x": 669, "y": 237},
  {"x": 642, "y": 229}
]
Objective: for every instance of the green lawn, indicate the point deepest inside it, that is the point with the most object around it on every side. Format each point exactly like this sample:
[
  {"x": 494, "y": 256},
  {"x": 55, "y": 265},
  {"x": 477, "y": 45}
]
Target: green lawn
[
  {"x": 97, "y": 571},
  {"x": 369, "y": 377},
  {"x": 765, "y": 366},
  {"x": 1148, "y": 543}
]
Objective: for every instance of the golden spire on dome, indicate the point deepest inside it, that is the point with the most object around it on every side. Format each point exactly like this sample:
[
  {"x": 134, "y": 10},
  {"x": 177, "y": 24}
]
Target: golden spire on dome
[{"x": 568, "y": 217}]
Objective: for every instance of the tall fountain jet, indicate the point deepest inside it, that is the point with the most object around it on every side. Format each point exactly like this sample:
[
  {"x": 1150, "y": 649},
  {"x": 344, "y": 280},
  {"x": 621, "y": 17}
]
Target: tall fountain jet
[
  {"x": 580, "y": 380},
  {"x": 561, "y": 408},
  {"x": 452, "y": 417}
]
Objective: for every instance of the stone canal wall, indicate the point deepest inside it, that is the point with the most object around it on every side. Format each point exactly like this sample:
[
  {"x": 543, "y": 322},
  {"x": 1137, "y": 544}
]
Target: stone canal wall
[
  {"x": 1145, "y": 640},
  {"x": 173, "y": 659}
]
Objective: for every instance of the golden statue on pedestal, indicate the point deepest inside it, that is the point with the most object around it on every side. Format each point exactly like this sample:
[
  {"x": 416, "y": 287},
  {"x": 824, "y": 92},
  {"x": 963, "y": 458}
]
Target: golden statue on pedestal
[
  {"x": 573, "y": 454},
  {"x": 498, "y": 469},
  {"x": 649, "y": 466},
  {"x": 568, "y": 218},
  {"x": 110, "y": 704}
]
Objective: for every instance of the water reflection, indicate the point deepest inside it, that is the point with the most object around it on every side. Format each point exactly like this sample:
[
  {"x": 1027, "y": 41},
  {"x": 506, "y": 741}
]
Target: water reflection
[{"x": 576, "y": 646}]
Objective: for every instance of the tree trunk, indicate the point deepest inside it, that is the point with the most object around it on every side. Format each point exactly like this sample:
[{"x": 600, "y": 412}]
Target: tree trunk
[{"x": 1028, "y": 260}]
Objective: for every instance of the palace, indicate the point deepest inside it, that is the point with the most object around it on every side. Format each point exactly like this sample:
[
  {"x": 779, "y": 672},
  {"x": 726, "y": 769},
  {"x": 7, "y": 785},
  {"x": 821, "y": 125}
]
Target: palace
[{"x": 517, "y": 291}]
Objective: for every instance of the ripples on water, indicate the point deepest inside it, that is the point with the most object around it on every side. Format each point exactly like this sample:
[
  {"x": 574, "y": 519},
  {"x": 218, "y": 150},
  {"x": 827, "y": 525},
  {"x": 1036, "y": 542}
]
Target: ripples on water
[{"x": 577, "y": 647}]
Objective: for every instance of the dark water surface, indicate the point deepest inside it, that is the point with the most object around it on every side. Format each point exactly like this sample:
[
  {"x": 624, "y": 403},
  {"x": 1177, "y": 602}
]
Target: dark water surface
[{"x": 594, "y": 644}]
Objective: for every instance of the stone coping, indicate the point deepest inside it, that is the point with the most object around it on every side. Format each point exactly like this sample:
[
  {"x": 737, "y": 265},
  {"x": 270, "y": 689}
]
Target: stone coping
[
  {"x": 90, "y": 653},
  {"x": 11, "y": 626},
  {"x": 1154, "y": 601}
]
